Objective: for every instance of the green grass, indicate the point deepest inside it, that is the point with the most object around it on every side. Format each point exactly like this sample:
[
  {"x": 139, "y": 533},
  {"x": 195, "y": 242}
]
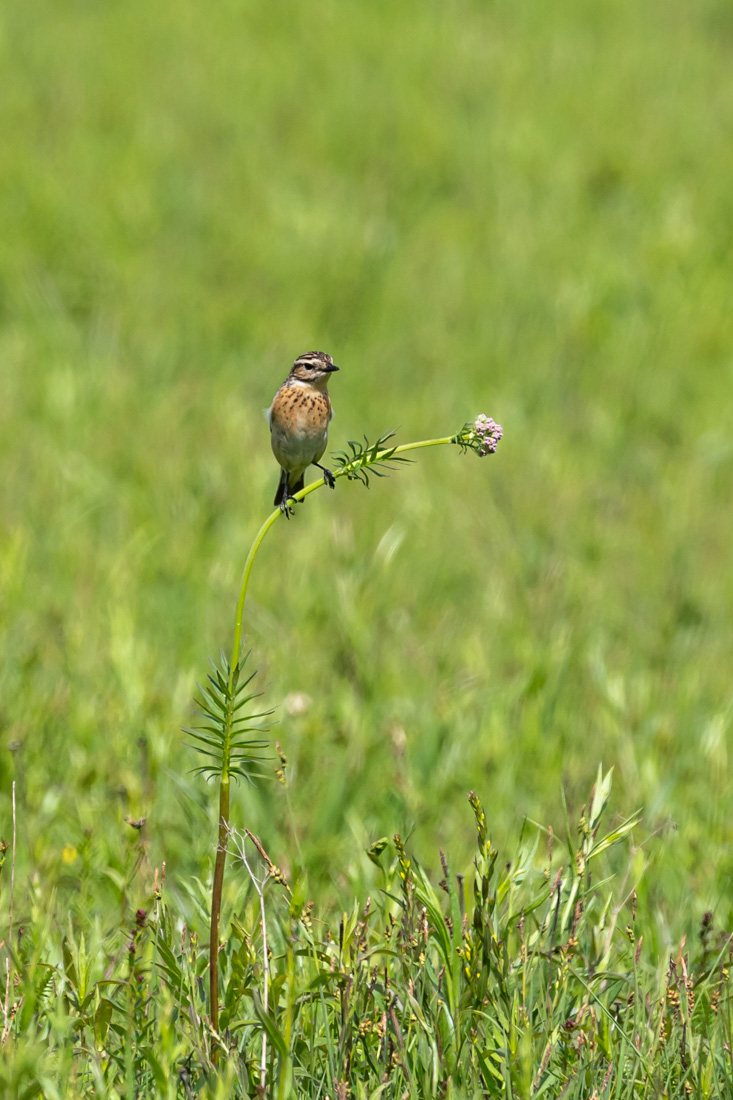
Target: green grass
[{"x": 503, "y": 208}]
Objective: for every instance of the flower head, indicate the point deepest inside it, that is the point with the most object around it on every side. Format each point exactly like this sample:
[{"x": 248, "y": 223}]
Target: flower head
[{"x": 481, "y": 435}]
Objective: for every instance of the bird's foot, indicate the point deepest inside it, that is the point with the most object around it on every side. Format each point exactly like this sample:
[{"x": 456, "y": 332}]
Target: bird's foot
[
  {"x": 327, "y": 475},
  {"x": 286, "y": 507}
]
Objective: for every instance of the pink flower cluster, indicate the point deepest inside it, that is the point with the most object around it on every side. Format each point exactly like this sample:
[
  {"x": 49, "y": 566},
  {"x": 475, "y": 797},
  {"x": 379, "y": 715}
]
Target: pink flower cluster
[
  {"x": 489, "y": 433},
  {"x": 481, "y": 435}
]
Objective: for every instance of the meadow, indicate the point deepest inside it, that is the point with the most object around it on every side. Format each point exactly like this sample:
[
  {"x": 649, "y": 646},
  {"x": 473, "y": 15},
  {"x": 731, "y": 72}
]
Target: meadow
[{"x": 511, "y": 209}]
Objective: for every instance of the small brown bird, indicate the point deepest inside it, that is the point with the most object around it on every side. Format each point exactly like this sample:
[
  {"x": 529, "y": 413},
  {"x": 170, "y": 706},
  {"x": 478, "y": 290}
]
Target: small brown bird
[{"x": 299, "y": 417}]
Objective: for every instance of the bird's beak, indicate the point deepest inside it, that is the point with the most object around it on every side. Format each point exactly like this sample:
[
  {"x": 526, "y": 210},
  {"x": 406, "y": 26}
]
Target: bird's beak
[{"x": 332, "y": 367}]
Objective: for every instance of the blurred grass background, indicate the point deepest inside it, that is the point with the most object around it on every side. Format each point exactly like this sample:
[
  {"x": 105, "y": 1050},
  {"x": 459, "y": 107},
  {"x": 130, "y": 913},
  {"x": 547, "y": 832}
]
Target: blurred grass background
[{"x": 513, "y": 209}]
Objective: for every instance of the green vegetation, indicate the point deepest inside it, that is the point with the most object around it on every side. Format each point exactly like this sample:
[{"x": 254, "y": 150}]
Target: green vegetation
[{"x": 515, "y": 209}]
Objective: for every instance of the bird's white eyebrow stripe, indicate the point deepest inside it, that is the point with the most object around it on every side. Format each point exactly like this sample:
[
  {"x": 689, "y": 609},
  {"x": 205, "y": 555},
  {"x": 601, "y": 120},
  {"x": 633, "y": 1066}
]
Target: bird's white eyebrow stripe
[{"x": 313, "y": 358}]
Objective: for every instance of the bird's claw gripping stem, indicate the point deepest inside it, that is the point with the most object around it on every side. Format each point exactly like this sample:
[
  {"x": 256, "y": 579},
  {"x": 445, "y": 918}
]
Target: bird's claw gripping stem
[{"x": 327, "y": 476}]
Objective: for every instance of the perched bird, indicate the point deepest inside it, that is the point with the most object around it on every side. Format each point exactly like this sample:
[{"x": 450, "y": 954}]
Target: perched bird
[{"x": 299, "y": 418}]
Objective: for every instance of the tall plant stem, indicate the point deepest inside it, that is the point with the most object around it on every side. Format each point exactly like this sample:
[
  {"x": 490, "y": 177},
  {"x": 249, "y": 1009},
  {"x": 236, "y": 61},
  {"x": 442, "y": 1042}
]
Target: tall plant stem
[{"x": 225, "y": 782}]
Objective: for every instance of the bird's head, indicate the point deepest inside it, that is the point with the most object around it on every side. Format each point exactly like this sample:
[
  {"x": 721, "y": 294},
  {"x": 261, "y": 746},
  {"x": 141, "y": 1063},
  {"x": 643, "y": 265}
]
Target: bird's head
[{"x": 313, "y": 367}]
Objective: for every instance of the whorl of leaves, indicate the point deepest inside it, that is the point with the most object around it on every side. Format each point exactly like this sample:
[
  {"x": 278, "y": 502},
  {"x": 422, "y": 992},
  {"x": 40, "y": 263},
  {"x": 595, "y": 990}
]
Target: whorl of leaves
[
  {"x": 221, "y": 733},
  {"x": 369, "y": 457}
]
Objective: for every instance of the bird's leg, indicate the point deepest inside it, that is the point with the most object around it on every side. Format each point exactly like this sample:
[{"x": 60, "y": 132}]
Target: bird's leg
[
  {"x": 285, "y": 506},
  {"x": 327, "y": 476}
]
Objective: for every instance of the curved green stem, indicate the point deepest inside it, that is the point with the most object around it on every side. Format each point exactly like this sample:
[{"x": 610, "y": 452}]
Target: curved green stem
[
  {"x": 245, "y": 583},
  {"x": 381, "y": 456}
]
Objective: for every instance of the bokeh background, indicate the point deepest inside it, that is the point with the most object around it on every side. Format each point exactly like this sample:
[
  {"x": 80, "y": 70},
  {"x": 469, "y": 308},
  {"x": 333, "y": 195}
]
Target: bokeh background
[{"x": 513, "y": 208}]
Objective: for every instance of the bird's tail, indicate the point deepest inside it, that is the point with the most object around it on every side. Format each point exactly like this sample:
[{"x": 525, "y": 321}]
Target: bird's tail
[{"x": 294, "y": 487}]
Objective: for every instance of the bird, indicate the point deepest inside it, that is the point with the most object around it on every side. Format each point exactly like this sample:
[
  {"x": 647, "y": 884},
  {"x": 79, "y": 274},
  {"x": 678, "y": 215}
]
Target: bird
[{"x": 299, "y": 417}]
